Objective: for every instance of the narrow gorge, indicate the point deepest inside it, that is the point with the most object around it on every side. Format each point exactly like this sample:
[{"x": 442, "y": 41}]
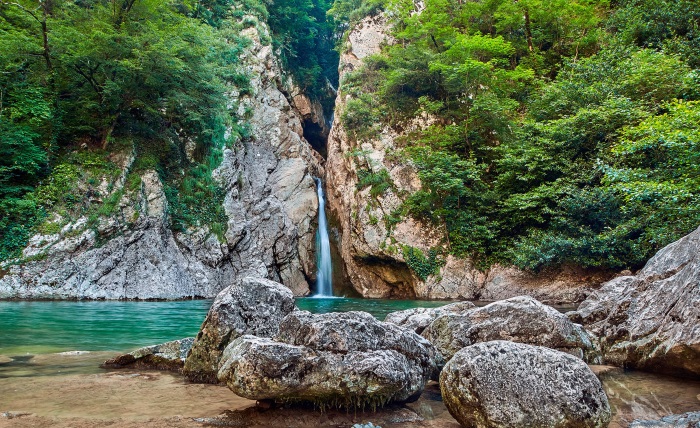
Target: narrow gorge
[
  {"x": 271, "y": 207},
  {"x": 350, "y": 213}
]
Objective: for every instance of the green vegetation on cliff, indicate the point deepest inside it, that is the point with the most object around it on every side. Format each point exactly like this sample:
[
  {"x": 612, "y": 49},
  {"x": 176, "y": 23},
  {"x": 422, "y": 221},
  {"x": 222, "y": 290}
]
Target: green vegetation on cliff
[
  {"x": 92, "y": 78},
  {"x": 560, "y": 131}
]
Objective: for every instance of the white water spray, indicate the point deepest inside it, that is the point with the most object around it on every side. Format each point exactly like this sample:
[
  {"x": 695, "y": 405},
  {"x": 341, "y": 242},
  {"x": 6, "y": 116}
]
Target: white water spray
[{"x": 324, "y": 275}]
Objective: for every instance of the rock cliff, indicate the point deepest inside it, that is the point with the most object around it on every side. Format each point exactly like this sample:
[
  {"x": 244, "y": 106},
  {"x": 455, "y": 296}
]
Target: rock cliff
[
  {"x": 133, "y": 253},
  {"x": 374, "y": 246}
]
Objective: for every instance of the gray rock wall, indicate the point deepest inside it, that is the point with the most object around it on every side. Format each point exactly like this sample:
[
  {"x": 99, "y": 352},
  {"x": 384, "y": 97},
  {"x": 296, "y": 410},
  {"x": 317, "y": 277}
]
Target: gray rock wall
[
  {"x": 133, "y": 254},
  {"x": 649, "y": 321}
]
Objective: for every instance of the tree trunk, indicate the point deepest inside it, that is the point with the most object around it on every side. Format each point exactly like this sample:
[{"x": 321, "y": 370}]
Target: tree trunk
[
  {"x": 108, "y": 133},
  {"x": 528, "y": 30}
]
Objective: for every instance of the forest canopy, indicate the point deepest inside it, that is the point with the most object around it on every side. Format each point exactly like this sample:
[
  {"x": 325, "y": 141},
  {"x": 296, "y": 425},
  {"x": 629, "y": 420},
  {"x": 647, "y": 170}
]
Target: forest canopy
[{"x": 561, "y": 131}]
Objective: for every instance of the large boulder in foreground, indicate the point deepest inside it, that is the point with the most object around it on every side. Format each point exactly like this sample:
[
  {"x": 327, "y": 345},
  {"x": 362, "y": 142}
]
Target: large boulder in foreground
[
  {"x": 651, "y": 321},
  {"x": 686, "y": 420},
  {"x": 518, "y": 319},
  {"x": 346, "y": 360},
  {"x": 506, "y": 384},
  {"x": 417, "y": 319},
  {"x": 165, "y": 356},
  {"x": 251, "y": 306}
]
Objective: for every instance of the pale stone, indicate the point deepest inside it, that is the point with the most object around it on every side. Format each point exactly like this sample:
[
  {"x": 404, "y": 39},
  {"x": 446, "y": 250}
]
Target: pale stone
[
  {"x": 503, "y": 384},
  {"x": 650, "y": 321}
]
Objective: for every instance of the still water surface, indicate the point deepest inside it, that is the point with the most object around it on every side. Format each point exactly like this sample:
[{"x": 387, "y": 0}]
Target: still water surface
[{"x": 42, "y": 327}]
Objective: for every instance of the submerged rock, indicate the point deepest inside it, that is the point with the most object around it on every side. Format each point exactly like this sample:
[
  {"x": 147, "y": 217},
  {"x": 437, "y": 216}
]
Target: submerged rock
[
  {"x": 346, "y": 360},
  {"x": 506, "y": 384},
  {"x": 519, "y": 319},
  {"x": 650, "y": 321},
  {"x": 251, "y": 306},
  {"x": 166, "y": 356},
  {"x": 417, "y": 319},
  {"x": 686, "y": 420}
]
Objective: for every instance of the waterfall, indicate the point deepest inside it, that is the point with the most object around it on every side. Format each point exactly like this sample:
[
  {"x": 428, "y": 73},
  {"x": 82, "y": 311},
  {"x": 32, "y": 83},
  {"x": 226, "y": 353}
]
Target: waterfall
[{"x": 324, "y": 276}]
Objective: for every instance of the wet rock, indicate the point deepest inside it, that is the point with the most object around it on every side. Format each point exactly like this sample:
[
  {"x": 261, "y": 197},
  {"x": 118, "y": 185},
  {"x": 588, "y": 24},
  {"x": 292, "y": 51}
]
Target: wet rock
[
  {"x": 166, "y": 356},
  {"x": 346, "y": 360},
  {"x": 519, "y": 319},
  {"x": 686, "y": 420},
  {"x": 417, "y": 319},
  {"x": 306, "y": 417},
  {"x": 649, "y": 321},
  {"x": 251, "y": 306},
  {"x": 506, "y": 384}
]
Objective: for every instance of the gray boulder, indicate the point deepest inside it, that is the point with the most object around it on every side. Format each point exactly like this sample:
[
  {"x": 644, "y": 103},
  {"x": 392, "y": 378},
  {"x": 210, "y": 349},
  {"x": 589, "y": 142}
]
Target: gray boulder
[
  {"x": 650, "y": 321},
  {"x": 251, "y": 306},
  {"x": 345, "y": 360},
  {"x": 686, "y": 420},
  {"x": 417, "y": 319},
  {"x": 506, "y": 384},
  {"x": 518, "y": 319},
  {"x": 165, "y": 356}
]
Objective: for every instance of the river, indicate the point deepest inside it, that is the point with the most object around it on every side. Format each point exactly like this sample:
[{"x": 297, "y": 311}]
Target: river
[{"x": 49, "y": 374}]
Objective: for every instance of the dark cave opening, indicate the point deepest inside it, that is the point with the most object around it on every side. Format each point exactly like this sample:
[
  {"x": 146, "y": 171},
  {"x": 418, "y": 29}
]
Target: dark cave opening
[{"x": 317, "y": 136}]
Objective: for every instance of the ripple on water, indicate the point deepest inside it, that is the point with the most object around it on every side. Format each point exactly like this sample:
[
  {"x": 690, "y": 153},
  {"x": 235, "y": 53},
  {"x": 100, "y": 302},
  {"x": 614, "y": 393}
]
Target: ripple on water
[{"x": 646, "y": 396}]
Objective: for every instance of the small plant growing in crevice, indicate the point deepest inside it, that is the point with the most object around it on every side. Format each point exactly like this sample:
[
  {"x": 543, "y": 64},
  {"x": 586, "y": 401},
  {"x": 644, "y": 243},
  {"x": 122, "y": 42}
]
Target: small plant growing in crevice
[
  {"x": 378, "y": 182},
  {"x": 423, "y": 265}
]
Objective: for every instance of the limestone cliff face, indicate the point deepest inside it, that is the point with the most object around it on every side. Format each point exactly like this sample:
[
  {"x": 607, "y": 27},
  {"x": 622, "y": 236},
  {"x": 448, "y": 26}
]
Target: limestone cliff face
[
  {"x": 271, "y": 198},
  {"x": 372, "y": 251},
  {"x": 133, "y": 254}
]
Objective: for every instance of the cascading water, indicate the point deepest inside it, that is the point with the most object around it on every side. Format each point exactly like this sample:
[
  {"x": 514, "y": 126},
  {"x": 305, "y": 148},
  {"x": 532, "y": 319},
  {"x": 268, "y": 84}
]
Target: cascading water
[{"x": 324, "y": 275}]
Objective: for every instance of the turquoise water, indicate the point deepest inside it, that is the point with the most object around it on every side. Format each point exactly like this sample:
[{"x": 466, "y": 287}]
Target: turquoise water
[
  {"x": 43, "y": 327},
  {"x": 31, "y": 333},
  {"x": 47, "y": 327}
]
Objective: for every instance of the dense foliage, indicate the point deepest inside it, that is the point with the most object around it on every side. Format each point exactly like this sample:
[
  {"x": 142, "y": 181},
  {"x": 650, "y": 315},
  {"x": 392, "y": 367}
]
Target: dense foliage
[
  {"x": 560, "y": 131},
  {"x": 305, "y": 37}
]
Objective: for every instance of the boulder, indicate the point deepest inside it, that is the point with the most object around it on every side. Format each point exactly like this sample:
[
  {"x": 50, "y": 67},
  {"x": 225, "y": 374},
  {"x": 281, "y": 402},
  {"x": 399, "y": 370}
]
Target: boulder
[
  {"x": 650, "y": 321},
  {"x": 507, "y": 384},
  {"x": 251, "y": 306},
  {"x": 166, "y": 356},
  {"x": 345, "y": 360},
  {"x": 417, "y": 319},
  {"x": 686, "y": 420},
  {"x": 518, "y": 319}
]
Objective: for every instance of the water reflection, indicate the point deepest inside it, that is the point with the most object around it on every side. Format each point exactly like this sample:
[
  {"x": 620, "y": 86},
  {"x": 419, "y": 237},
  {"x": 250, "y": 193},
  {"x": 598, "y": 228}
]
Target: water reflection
[{"x": 646, "y": 396}]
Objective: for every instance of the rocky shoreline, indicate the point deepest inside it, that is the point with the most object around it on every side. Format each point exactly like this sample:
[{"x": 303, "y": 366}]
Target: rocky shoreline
[{"x": 505, "y": 364}]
